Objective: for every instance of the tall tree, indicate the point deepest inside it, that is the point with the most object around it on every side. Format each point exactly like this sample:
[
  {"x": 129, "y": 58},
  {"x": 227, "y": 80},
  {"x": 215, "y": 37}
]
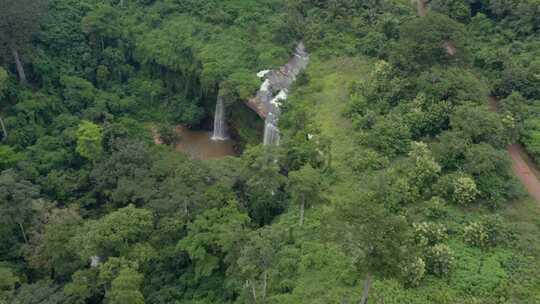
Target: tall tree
[
  {"x": 305, "y": 188},
  {"x": 257, "y": 258},
  {"x": 3, "y": 79},
  {"x": 16, "y": 196},
  {"x": 19, "y": 19},
  {"x": 381, "y": 237}
]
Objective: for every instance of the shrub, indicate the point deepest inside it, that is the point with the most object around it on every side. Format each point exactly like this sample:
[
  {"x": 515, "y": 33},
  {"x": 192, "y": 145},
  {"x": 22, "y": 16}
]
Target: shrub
[
  {"x": 429, "y": 234},
  {"x": 413, "y": 272},
  {"x": 475, "y": 234},
  {"x": 440, "y": 260}
]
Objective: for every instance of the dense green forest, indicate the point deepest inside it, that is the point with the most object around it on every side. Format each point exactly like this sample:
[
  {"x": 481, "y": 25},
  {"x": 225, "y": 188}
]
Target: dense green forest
[{"x": 392, "y": 182}]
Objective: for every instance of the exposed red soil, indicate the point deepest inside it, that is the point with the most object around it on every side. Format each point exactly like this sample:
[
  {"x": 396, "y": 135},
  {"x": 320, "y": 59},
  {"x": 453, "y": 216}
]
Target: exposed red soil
[
  {"x": 525, "y": 170},
  {"x": 522, "y": 164}
]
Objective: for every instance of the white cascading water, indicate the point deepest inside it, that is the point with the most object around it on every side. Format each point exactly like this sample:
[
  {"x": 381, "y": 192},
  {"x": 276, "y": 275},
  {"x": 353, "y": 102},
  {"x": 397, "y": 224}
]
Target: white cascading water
[
  {"x": 275, "y": 89},
  {"x": 271, "y": 132},
  {"x": 220, "y": 127}
]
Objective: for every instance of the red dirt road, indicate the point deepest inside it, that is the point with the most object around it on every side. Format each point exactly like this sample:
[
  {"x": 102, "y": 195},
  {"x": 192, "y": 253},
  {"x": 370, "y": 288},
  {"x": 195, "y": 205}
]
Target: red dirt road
[
  {"x": 525, "y": 170},
  {"x": 522, "y": 164}
]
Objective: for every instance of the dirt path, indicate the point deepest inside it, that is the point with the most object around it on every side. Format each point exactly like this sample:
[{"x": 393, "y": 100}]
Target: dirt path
[
  {"x": 522, "y": 164},
  {"x": 526, "y": 170}
]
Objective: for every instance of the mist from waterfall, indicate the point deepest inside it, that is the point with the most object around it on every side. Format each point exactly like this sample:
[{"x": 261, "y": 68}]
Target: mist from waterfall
[{"x": 220, "y": 126}]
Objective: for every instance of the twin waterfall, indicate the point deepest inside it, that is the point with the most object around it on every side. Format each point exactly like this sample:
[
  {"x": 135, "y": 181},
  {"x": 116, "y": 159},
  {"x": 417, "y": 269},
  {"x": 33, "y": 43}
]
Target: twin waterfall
[
  {"x": 267, "y": 102},
  {"x": 220, "y": 126}
]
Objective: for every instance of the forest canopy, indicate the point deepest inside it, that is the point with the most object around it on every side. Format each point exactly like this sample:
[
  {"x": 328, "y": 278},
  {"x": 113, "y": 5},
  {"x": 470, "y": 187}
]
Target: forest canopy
[{"x": 394, "y": 180}]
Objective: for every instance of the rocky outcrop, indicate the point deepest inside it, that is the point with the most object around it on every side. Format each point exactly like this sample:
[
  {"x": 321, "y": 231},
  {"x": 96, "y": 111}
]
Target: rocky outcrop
[
  {"x": 274, "y": 89},
  {"x": 277, "y": 83}
]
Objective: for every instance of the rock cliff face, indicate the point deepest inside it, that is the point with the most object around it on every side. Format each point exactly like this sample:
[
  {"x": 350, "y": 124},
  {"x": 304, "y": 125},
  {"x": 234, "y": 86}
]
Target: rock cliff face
[
  {"x": 277, "y": 83},
  {"x": 274, "y": 89}
]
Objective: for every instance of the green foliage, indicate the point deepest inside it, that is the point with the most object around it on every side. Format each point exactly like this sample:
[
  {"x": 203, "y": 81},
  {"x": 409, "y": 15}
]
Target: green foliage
[
  {"x": 455, "y": 9},
  {"x": 477, "y": 274},
  {"x": 305, "y": 188},
  {"x": 16, "y": 196},
  {"x": 263, "y": 184},
  {"x": 429, "y": 234},
  {"x": 440, "y": 260},
  {"x": 531, "y": 136},
  {"x": 480, "y": 125},
  {"x": 168, "y": 134},
  {"x": 89, "y": 140},
  {"x": 401, "y": 151},
  {"x": 125, "y": 288},
  {"x": 212, "y": 237},
  {"x": 464, "y": 190},
  {"x": 390, "y": 135},
  {"x": 426, "y": 169},
  {"x": 19, "y": 21},
  {"x": 386, "y": 237},
  {"x": 8, "y": 157},
  {"x": 43, "y": 291},
  {"x": 113, "y": 234},
  {"x": 414, "y": 272},
  {"x": 8, "y": 281},
  {"x": 422, "y": 42},
  {"x": 78, "y": 93},
  {"x": 3, "y": 80}
]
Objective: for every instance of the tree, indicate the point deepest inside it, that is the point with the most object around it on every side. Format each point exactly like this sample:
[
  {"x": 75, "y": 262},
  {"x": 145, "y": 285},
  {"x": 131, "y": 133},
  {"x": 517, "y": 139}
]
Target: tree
[
  {"x": 456, "y": 9},
  {"x": 42, "y": 292},
  {"x": 257, "y": 258},
  {"x": 48, "y": 247},
  {"x": 102, "y": 24},
  {"x": 125, "y": 288},
  {"x": 213, "y": 236},
  {"x": 3, "y": 80},
  {"x": 458, "y": 188},
  {"x": 8, "y": 281},
  {"x": 19, "y": 20},
  {"x": 263, "y": 184},
  {"x": 531, "y": 136},
  {"x": 425, "y": 170},
  {"x": 124, "y": 177},
  {"x": 422, "y": 42},
  {"x": 450, "y": 149},
  {"x": 305, "y": 187},
  {"x": 16, "y": 196},
  {"x": 8, "y": 156},
  {"x": 114, "y": 233},
  {"x": 480, "y": 125},
  {"x": 89, "y": 140},
  {"x": 382, "y": 238},
  {"x": 465, "y": 190},
  {"x": 440, "y": 260},
  {"x": 390, "y": 135},
  {"x": 491, "y": 170}
]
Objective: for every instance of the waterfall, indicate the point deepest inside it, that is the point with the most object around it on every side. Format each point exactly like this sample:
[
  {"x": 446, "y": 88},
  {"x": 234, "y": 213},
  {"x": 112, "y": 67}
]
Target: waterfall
[
  {"x": 271, "y": 132},
  {"x": 274, "y": 89},
  {"x": 220, "y": 128}
]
